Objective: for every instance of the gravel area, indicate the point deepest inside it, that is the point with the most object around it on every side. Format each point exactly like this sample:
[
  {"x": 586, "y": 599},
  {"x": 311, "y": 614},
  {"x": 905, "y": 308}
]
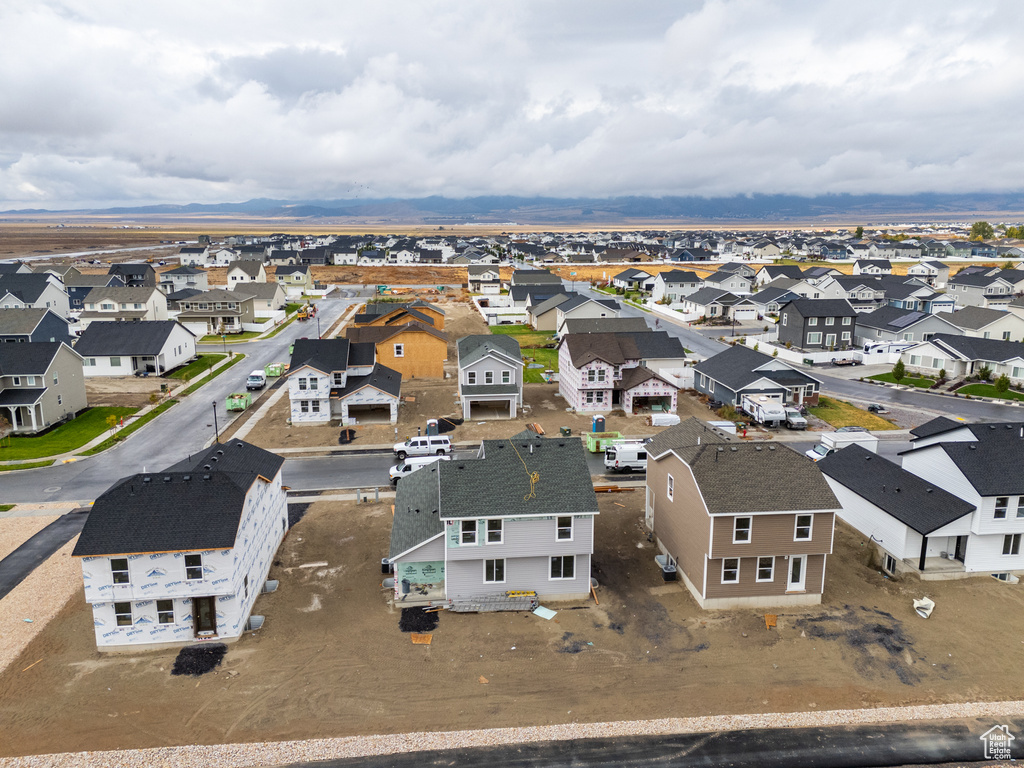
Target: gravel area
[
  {"x": 15, "y": 531},
  {"x": 39, "y": 598},
  {"x": 282, "y": 752}
]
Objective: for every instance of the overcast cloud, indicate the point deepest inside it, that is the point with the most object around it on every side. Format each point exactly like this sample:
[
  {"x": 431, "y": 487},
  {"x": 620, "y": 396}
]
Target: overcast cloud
[{"x": 126, "y": 102}]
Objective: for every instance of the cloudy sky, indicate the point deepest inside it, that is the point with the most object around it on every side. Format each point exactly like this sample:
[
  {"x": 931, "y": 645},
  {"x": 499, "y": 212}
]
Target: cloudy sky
[{"x": 123, "y": 101}]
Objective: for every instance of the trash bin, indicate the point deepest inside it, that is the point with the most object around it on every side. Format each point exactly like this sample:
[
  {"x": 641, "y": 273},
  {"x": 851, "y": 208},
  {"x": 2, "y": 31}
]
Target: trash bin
[
  {"x": 565, "y": 431},
  {"x": 598, "y": 423},
  {"x": 406, "y": 586},
  {"x": 163, "y": 387}
]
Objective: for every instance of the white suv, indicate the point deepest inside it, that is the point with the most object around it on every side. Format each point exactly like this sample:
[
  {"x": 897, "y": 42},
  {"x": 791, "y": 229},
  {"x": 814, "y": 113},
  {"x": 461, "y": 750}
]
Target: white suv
[{"x": 428, "y": 445}]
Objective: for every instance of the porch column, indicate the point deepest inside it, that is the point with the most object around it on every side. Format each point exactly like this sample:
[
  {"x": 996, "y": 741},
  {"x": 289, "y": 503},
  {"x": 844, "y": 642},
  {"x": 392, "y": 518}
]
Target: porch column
[
  {"x": 32, "y": 415},
  {"x": 924, "y": 548}
]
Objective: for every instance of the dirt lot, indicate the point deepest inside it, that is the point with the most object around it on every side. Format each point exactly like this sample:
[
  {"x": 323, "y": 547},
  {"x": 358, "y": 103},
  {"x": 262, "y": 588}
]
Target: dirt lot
[
  {"x": 127, "y": 391},
  {"x": 331, "y": 661}
]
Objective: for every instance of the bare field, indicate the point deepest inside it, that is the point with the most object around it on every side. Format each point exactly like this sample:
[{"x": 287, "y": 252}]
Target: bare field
[{"x": 330, "y": 660}]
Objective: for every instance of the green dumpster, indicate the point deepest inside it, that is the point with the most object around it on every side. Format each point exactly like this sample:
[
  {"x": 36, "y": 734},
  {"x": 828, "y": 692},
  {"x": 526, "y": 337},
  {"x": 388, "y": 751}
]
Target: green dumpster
[
  {"x": 239, "y": 401},
  {"x": 274, "y": 370}
]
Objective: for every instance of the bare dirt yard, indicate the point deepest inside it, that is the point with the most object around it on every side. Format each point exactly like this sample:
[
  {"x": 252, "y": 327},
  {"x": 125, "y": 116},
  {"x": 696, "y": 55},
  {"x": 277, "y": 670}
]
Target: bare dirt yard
[
  {"x": 127, "y": 391},
  {"x": 331, "y": 661}
]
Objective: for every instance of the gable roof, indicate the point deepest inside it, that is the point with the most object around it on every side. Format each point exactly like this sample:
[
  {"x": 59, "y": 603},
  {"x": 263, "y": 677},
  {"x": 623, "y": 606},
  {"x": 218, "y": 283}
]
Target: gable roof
[
  {"x": 381, "y": 377},
  {"x": 936, "y": 426},
  {"x": 29, "y": 359},
  {"x": 911, "y": 500},
  {"x": 678, "y": 276},
  {"x": 605, "y": 325},
  {"x": 685, "y": 434},
  {"x": 291, "y": 269},
  {"x": 991, "y": 464},
  {"x": 892, "y": 318},
  {"x": 375, "y": 334},
  {"x": 731, "y": 479},
  {"x": 617, "y": 348},
  {"x": 22, "y": 321},
  {"x": 974, "y": 348},
  {"x": 737, "y": 367},
  {"x": 26, "y": 286},
  {"x": 975, "y": 318},
  {"x": 417, "y": 506},
  {"x": 137, "y": 337},
  {"x": 822, "y": 308},
  {"x": 552, "y": 303},
  {"x": 250, "y": 267},
  {"x": 473, "y": 348},
  {"x": 193, "y": 505},
  {"x": 121, "y": 294},
  {"x": 324, "y": 355}
]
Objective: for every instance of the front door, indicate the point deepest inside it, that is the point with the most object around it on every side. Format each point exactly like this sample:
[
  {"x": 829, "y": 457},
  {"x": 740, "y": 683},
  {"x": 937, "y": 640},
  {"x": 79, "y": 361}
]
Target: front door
[
  {"x": 204, "y": 616},
  {"x": 960, "y": 551},
  {"x": 797, "y": 573}
]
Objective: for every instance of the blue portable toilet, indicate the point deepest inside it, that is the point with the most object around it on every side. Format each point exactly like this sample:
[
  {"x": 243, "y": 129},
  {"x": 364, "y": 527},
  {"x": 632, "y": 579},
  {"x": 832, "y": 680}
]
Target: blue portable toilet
[
  {"x": 598, "y": 425},
  {"x": 431, "y": 426}
]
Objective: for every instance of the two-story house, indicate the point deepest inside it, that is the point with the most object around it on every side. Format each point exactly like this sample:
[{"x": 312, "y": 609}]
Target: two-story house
[
  {"x": 987, "y": 323},
  {"x": 818, "y": 324},
  {"x": 980, "y": 290},
  {"x": 135, "y": 275},
  {"x": 41, "y": 384},
  {"x": 28, "y": 324},
  {"x": 268, "y": 299},
  {"x": 740, "y": 370},
  {"x": 78, "y": 287},
  {"x": 172, "y": 557},
  {"x": 336, "y": 379},
  {"x": 217, "y": 312},
  {"x": 180, "y": 278},
  {"x": 39, "y": 290},
  {"x": 631, "y": 371},
  {"x": 898, "y": 325},
  {"x": 671, "y": 286},
  {"x": 633, "y": 279},
  {"x": 500, "y": 531},
  {"x": 727, "y": 280},
  {"x": 127, "y": 303},
  {"x": 246, "y": 271},
  {"x": 935, "y": 273},
  {"x": 127, "y": 347},
  {"x": 381, "y": 313},
  {"x": 296, "y": 279},
  {"x": 579, "y": 306},
  {"x": 415, "y": 350},
  {"x": 745, "y": 525},
  {"x": 872, "y": 267},
  {"x": 490, "y": 376},
  {"x": 483, "y": 278}
]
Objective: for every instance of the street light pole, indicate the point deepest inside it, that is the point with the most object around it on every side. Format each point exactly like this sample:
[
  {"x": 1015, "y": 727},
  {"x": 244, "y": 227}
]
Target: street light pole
[
  {"x": 216, "y": 430},
  {"x": 318, "y": 325}
]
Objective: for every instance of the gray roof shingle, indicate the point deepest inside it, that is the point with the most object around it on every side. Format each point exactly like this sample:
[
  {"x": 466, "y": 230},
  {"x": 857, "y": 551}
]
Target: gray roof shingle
[{"x": 137, "y": 337}]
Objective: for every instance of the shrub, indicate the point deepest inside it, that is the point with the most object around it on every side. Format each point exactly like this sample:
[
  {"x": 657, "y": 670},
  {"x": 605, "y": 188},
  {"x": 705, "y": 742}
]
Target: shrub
[
  {"x": 899, "y": 372},
  {"x": 1002, "y": 384},
  {"x": 942, "y": 374},
  {"x": 985, "y": 373}
]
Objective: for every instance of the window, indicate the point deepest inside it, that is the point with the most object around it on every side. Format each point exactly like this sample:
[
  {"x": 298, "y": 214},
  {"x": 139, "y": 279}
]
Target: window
[
  {"x": 1006, "y": 335},
  {"x": 30, "y": 380},
  {"x": 812, "y": 321},
  {"x": 399, "y": 350},
  {"x": 766, "y": 569},
  {"x": 314, "y": 406},
  {"x": 54, "y": 377},
  {"x": 506, "y": 377},
  {"x": 847, "y": 320},
  {"x": 563, "y": 567},
  {"x": 1011, "y": 544},
  {"x": 741, "y": 530},
  {"x": 304, "y": 406},
  {"x": 803, "y": 528},
  {"x": 193, "y": 567},
  {"x": 90, "y": 361},
  {"x": 494, "y": 531},
  {"x": 915, "y": 359},
  {"x": 1002, "y": 502},
  {"x": 813, "y": 338},
  {"x": 830, "y": 321},
  {"x": 731, "y": 570},
  {"x": 494, "y": 571},
  {"x": 467, "y": 532},
  {"x": 302, "y": 384},
  {"x": 339, "y": 379},
  {"x": 830, "y": 339},
  {"x": 563, "y": 528},
  {"x": 123, "y": 614},
  {"x": 119, "y": 570},
  {"x": 471, "y": 377},
  {"x": 314, "y": 383},
  {"x": 115, "y": 362},
  {"x": 60, "y": 400},
  {"x": 591, "y": 375},
  {"x": 165, "y": 611},
  {"x": 1020, "y": 506},
  {"x": 671, "y": 487},
  {"x": 784, "y": 319},
  {"x": 488, "y": 377},
  {"x": 889, "y": 565}
]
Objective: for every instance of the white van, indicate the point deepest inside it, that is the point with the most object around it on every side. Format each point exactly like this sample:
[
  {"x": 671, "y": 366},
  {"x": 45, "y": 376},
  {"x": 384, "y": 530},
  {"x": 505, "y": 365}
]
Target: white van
[
  {"x": 257, "y": 380},
  {"x": 427, "y": 445},
  {"x": 409, "y": 466},
  {"x": 626, "y": 457}
]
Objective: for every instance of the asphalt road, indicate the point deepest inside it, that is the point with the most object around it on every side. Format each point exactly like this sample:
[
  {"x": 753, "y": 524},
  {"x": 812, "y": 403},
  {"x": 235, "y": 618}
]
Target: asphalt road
[
  {"x": 915, "y": 743},
  {"x": 182, "y": 430},
  {"x": 26, "y": 558}
]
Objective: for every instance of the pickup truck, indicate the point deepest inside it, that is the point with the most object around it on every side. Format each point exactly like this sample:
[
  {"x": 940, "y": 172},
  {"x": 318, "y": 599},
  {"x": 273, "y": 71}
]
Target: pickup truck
[{"x": 794, "y": 420}]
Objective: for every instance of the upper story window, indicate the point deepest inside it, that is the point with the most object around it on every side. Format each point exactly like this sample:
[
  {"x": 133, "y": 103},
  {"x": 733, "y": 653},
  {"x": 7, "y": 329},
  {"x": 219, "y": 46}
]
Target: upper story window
[
  {"x": 671, "y": 487},
  {"x": 339, "y": 379},
  {"x": 563, "y": 528},
  {"x": 506, "y": 377},
  {"x": 471, "y": 377},
  {"x": 119, "y": 570},
  {"x": 741, "y": 530},
  {"x": 803, "y": 528},
  {"x": 812, "y": 321},
  {"x": 193, "y": 567},
  {"x": 488, "y": 377},
  {"x": 467, "y": 532},
  {"x": 399, "y": 350},
  {"x": 1002, "y": 503},
  {"x": 495, "y": 531}
]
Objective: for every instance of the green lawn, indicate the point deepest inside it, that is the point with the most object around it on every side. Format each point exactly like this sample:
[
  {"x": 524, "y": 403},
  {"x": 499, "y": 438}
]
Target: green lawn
[
  {"x": 989, "y": 390},
  {"x": 906, "y": 381},
  {"x": 67, "y": 437},
  {"x": 281, "y": 327},
  {"x": 6, "y": 507},
  {"x": 207, "y": 379},
  {"x": 138, "y": 423},
  {"x": 289, "y": 308},
  {"x": 546, "y": 357},
  {"x": 525, "y": 335},
  {"x": 197, "y": 366},
  {"x": 231, "y": 337},
  {"x": 839, "y": 413},
  {"x": 30, "y": 465}
]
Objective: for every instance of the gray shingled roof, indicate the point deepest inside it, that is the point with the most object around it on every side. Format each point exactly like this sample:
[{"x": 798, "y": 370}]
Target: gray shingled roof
[
  {"x": 20, "y": 321},
  {"x": 138, "y": 337},
  {"x": 735, "y": 479},
  {"x": 473, "y": 348},
  {"x": 974, "y": 318},
  {"x": 993, "y": 463},
  {"x": 605, "y": 325},
  {"x": 381, "y": 377},
  {"x": 936, "y": 426},
  {"x": 823, "y": 308},
  {"x": 30, "y": 359},
  {"x": 194, "y": 505},
  {"x": 736, "y": 367},
  {"x": 324, "y": 355},
  {"x": 374, "y": 334},
  {"x": 617, "y": 348},
  {"x": 891, "y": 318},
  {"x": 685, "y": 434},
  {"x": 973, "y": 348},
  {"x": 913, "y": 501},
  {"x": 548, "y": 304},
  {"x": 417, "y": 518}
]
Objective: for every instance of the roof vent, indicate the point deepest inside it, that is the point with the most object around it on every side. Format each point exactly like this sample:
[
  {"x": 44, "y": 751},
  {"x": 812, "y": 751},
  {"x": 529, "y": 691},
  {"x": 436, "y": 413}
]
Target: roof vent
[
  {"x": 186, "y": 478},
  {"x": 721, "y": 449},
  {"x": 771, "y": 447},
  {"x": 220, "y": 453},
  {"x": 206, "y": 477},
  {"x": 972, "y": 447},
  {"x": 734, "y": 449},
  {"x": 757, "y": 447},
  {"x": 167, "y": 478},
  {"x": 207, "y": 466},
  {"x": 929, "y": 490},
  {"x": 146, "y": 479},
  {"x": 213, "y": 458}
]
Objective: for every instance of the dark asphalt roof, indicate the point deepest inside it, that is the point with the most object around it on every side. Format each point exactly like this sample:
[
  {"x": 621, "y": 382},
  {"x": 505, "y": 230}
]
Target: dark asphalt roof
[
  {"x": 922, "y": 505},
  {"x": 499, "y": 483},
  {"x": 375, "y": 334},
  {"x": 736, "y": 368},
  {"x": 548, "y": 304},
  {"x": 489, "y": 389},
  {"x": 632, "y": 377},
  {"x": 27, "y": 359},
  {"x": 605, "y": 325},
  {"x": 381, "y": 377},
  {"x": 138, "y": 337},
  {"x": 974, "y": 318},
  {"x": 992, "y": 464},
  {"x": 26, "y": 286},
  {"x": 194, "y": 505},
  {"x": 734, "y": 479},
  {"x": 823, "y": 308},
  {"x": 891, "y": 318},
  {"x": 936, "y": 426},
  {"x": 973, "y": 348},
  {"x": 20, "y": 396},
  {"x": 19, "y": 321},
  {"x": 617, "y": 348},
  {"x": 324, "y": 355}
]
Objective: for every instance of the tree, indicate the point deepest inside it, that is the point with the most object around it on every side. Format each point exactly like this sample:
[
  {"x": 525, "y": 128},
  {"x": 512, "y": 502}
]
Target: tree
[
  {"x": 859, "y": 234},
  {"x": 982, "y": 230},
  {"x": 1002, "y": 384},
  {"x": 5, "y": 428},
  {"x": 899, "y": 372}
]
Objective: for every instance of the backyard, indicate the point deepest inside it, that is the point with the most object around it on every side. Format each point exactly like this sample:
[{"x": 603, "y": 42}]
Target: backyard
[
  {"x": 533, "y": 346},
  {"x": 67, "y": 437}
]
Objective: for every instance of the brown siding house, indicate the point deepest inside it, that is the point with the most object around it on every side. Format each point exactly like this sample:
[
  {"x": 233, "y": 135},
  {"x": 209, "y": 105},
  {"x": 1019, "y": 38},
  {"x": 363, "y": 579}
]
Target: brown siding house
[
  {"x": 746, "y": 525},
  {"x": 415, "y": 350}
]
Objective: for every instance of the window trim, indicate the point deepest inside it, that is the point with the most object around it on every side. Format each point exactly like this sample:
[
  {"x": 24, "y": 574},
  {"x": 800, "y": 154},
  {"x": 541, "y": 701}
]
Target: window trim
[
  {"x": 1011, "y": 544},
  {"x": 562, "y": 560},
  {"x": 471, "y": 377},
  {"x": 500, "y": 530},
  {"x": 191, "y": 569},
  {"x": 1000, "y": 511},
  {"x": 671, "y": 487},
  {"x": 162, "y": 614},
  {"x": 120, "y": 612},
  {"x": 725, "y": 562},
  {"x": 495, "y": 567},
  {"x": 737, "y": 530},
  {"x": 797, "y": 527},
  {"x": 560, "y": 529},
  {"x": 465, "y": 533},
  {"x": 400, "y": 350},
  {"x": 771, "y": 568},
  {"x": 120, "y": 575}
]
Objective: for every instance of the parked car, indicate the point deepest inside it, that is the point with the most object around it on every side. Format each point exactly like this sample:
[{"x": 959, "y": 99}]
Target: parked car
[
  {"x": 426, "y": 445},
  {"x": 408, "y": 466},
  {"x": 877, "y": 408},
  {"x": 257, "y": 380}
]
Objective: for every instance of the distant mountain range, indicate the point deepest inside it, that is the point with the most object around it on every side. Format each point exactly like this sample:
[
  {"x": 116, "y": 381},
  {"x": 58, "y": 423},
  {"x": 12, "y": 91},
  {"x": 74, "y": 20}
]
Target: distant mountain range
[{"x": 549, "y": 210}]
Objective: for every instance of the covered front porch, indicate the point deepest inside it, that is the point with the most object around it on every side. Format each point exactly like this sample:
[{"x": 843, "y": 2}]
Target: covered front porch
[{"x": 23, "y": 410}]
